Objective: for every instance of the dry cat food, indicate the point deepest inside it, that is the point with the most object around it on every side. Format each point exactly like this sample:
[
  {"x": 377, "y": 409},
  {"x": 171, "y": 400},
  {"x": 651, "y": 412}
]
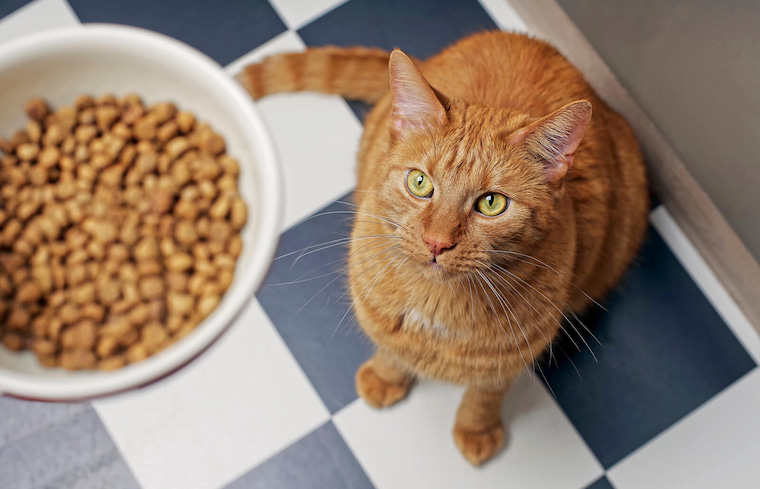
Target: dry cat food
[{"x": 119, "y": 230}]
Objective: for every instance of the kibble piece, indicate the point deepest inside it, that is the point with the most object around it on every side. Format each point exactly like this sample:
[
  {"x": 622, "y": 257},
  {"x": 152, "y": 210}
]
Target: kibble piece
[
  {"x": 18, "y": 318},
  {"x": 235, "y": 246},
  {"x": 81, "y": 335},
  {"x": 153, "y": 337},
  {"x": 93, "y": 311},
  {"x": 34, "y": 131},
  {"x": 149, "y": 267},
  {"x": 54, "y": 135},
  {"x": 129, "y": 338},
  {"x": 177, "y": 281},
  {"x": 109, "y": 292},
  {"x": 167, "y": 131},
  {"x": 179, "y": 262},
  {"x": 185, "y": 121},
  {"x": 224, "y": 278},
  {"x": 84, "y": 102},
  {"x": 83, "y": 293},
  {"x": 160, "y": 201},
  {"x": 106, "y": 99},
  {"x": 211, "y": 143},
  {"x": 163, "y": 111},
  {"x": 13, "y": 341},
  {"x": 145, "y": 129},
  {"x": 220, "y": 230},
  {"x": 77, "y": 359},
  {"x": 177, "y": 146},
  {"x": 184, "y": 232},
  {"x": 136, "y": 353},
  {"x": 179, "y": 304},
  {"x": 151, "y": 287},
  {"x": 157, "y": 309},
  {"x": 114, "y": 362},
  {"x": 146, "y": 249},
  {"x": 186, "y": 209},
  {"x": 29, "y": 291},
  {"x": 28, "y": 151},
  {"x": 36, "y": 109},
  {"x": 43, "y": 347},
  {"x": 195, "y": 283}
]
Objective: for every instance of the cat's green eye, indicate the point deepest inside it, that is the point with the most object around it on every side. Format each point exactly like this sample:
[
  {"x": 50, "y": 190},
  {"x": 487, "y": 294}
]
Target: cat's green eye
[
  {"x": 492, "y": 204},
  {"x": 419, "y": 184}
]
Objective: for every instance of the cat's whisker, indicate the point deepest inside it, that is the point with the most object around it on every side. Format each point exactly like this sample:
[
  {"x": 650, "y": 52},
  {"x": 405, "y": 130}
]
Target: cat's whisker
[
  {"x": 519, "y": 326},
  {"x": 557, "y": 308},
  {"x": 339, "y": 242},
  {"x": 311, "y": 246},
  {"x": 490, "y": 285},
  {"x": 355, "y": 213},
  {"x": 375, "y": 255},
  {"x": 472, "y": 302},
  {"x": 545, "y": 265},
  {"x": 506, "y": 282},
  {"x": 370, "y": 285},
  {"x": 530, "y": 303},
  {"x": 301, "y": 278},
  {"x": 382, "y": 218},
  {"x": 546, "y": 381},
  {"x": 342, "y": 272}
]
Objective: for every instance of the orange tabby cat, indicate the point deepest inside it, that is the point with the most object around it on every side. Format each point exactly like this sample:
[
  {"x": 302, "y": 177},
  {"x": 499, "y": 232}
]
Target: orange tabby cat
[{"x": 500, "y": 203}]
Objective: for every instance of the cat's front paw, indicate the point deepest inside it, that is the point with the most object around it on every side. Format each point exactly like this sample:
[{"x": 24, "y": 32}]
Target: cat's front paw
[
  {"x": 375, "y": 390},
  {"x": 479, "y": 446}
]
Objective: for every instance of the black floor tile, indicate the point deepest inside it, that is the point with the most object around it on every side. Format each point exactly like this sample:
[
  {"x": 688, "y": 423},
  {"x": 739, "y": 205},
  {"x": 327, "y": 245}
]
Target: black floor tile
[
  {"x": 601, "y": 483},
  {"x": 318, "y": 460},
  {"x": 9, "y": 6},
  {"x": 305, "y": 298},
  {"x": 665, "y": 351},
  {"x": 421, "y": 28},
  {"x": 223, "y": 30}
]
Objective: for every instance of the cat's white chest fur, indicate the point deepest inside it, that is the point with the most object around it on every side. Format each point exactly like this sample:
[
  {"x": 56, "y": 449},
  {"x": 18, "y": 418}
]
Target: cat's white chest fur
[{"x": 416, "y": 321}]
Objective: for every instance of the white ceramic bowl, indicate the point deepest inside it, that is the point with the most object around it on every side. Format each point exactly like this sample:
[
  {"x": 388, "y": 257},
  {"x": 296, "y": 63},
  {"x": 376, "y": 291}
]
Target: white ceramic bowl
[{"x": 58, "y": 66}]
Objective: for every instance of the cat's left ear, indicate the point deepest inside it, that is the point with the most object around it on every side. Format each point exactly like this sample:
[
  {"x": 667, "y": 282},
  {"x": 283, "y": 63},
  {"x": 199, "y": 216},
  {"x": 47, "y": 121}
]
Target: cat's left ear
[
  {"x": 555, "y": 138},
  {"x": 415, "y": 105}
]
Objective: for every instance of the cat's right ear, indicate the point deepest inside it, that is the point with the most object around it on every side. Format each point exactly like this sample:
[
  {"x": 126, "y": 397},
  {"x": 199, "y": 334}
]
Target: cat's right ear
[
  {"x": 416, "y": 107},
  {"x": 555, "y": 138}
]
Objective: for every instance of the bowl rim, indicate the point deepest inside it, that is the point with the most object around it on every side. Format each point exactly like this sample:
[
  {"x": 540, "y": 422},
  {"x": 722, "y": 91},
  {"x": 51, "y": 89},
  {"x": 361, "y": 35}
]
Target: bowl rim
[{"x": 236, "y": 298}]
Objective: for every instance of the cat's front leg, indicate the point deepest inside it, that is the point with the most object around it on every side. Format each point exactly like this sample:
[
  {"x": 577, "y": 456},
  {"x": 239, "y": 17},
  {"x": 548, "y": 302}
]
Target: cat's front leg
[
  {"x": 381, "y": 381},
  {"x": 478, "y": 431}
]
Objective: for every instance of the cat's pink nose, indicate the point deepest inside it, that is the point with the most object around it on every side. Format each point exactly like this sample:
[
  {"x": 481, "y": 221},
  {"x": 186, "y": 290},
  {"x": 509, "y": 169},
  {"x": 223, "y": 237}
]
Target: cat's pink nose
[{"x": 438, "y": 246}]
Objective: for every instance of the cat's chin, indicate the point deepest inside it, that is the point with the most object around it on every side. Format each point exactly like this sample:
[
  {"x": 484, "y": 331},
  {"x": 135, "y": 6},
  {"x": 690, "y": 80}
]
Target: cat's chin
[{"x": 436, "y": 271}]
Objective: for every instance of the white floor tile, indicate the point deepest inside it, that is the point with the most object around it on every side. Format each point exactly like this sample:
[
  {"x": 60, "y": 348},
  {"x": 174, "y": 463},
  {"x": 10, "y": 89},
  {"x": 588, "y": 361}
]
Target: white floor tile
[
  {"x": 286, "y": 42},
  {"x": 298, "y": 13},
  {"x": 706, "y": 280},
  {"x": 37, "y": 16},
  {"x": 316, "y": 137},
  {"x": 411, "y": 446},
  {"x": 234, "y": 407},
  {"x": 504, "y": 15},
  {"x": 717, "y": 446}
]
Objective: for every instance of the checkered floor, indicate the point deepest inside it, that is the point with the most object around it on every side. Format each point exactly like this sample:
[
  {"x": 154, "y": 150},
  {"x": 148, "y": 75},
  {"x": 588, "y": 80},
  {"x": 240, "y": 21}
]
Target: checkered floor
[{"x": 670, "y": 402}]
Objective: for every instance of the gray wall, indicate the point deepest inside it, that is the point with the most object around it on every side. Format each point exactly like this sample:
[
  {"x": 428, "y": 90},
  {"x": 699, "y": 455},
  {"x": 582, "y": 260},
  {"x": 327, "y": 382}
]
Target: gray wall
[{"x": 694, "y": 67}]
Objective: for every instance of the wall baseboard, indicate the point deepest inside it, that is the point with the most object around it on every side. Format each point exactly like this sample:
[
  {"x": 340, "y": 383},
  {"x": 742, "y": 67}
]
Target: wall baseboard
[{"x": 689, "y": 205}]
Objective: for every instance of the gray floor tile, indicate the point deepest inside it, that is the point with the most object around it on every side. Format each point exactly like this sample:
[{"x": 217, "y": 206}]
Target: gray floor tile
[
  {"x": 58, "y": 446},
  {"x": 319, "y": 460}
]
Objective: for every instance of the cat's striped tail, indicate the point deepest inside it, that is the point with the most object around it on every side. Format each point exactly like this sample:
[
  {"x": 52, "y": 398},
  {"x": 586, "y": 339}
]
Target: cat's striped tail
[{"x": 356, "y": 73}]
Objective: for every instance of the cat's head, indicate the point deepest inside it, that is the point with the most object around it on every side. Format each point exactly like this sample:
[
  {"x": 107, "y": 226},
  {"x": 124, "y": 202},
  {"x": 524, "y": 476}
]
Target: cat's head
[{"x": 464, "y": 180}]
